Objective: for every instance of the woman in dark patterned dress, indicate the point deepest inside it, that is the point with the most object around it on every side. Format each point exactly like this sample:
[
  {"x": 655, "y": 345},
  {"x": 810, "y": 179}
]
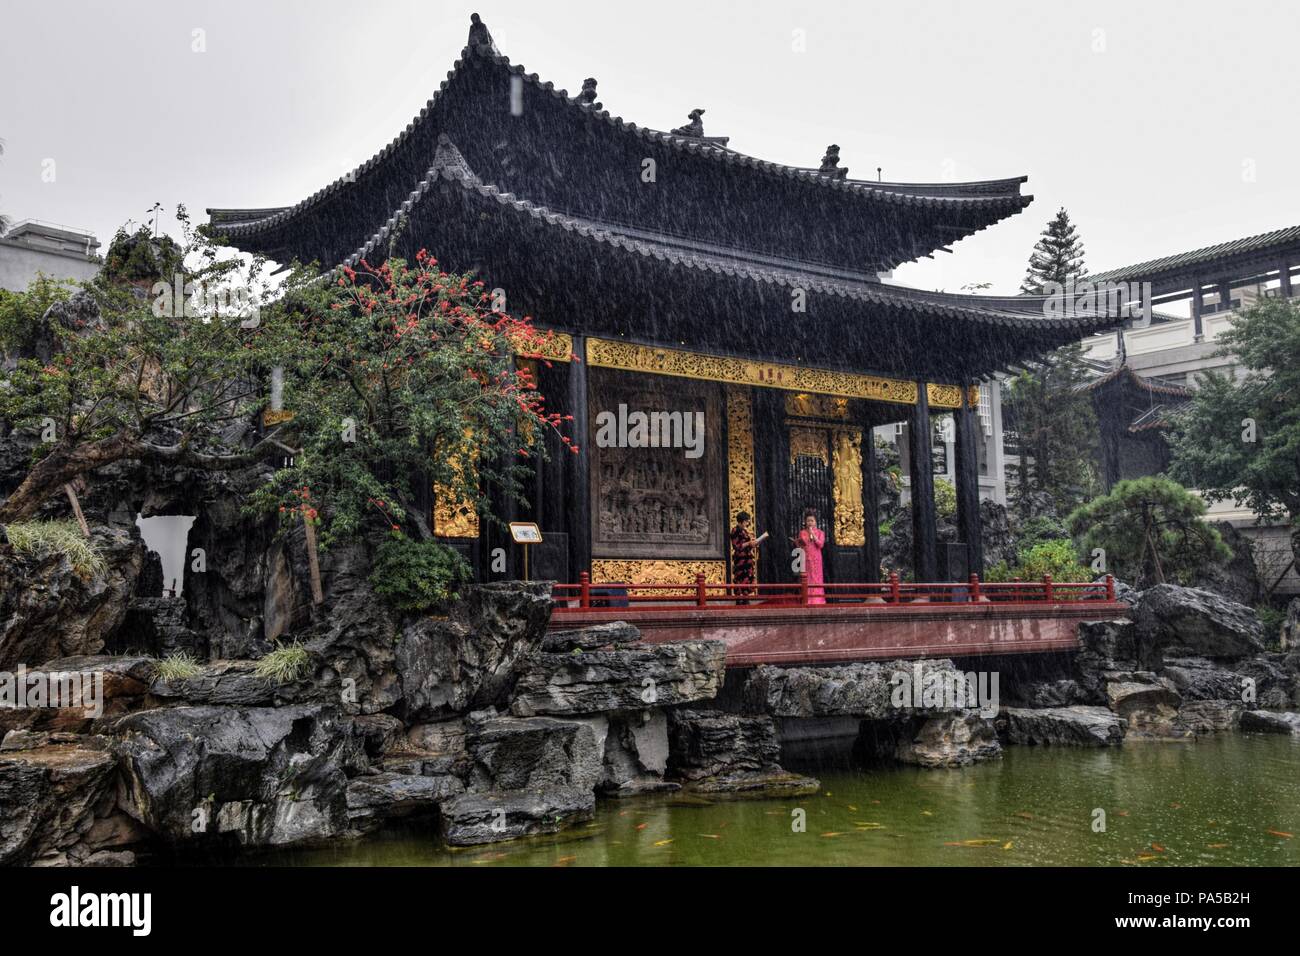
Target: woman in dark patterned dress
[{"x": 742, "y": 557}]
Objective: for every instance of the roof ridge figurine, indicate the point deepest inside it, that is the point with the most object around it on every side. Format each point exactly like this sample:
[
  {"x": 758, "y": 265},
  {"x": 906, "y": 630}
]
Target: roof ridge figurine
[
  {"x": 479, "y": 35},
  {"x": 694, "y": 128},
  {"x": 588, "y": 95},
  {"x": 831, "y": 163}
]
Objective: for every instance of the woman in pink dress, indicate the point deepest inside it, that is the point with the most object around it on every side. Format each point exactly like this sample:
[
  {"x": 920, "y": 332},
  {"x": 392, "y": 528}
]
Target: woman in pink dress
[{"x": 811, "y": 540}]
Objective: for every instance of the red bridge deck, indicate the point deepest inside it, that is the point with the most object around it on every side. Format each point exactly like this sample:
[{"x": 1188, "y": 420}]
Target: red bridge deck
[{"x": 783, "y": 624}]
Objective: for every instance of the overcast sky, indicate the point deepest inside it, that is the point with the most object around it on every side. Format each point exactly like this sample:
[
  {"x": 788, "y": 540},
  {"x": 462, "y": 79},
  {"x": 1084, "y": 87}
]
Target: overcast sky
[{"x": 1161, "y": 126}]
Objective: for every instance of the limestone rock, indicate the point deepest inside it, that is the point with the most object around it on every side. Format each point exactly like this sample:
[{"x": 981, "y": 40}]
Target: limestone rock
[
  {"x": 230, "y": 683},
  {"x": 476, "y": 818},
  {"x": 473, "y": 658},
  {"x": 535, "y": 753},
  {"x": 705, "y": 743},
  {"x": 955, "y": 740},
  {"x": 1061, "y": 726},
  {"x": 590, "y": 638},
  {"x": 48, "y": 800},
  {"x": 1148, "y": 704},
  {"x": 374, "y": 799},
  {"x": 628, "y": 678},
  {"x": 1202, "y": 717},
  {"x": 266, "y": 775},
  {"x": 47, "y": 611},
  {"x": 636, "y": 754},
  {"x": 1199, "y": 678},
  {"x": 1270, "y": 722},
  {"x": 863, "y": 690},
  {"x": 771, "y": 784},
  {"x": 1203, "y": 623}
]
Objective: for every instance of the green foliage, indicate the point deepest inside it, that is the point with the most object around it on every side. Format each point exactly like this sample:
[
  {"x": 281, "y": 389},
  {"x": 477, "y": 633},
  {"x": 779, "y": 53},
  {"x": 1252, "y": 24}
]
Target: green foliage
[
  {"x": 1272, "y": 618},
  {"x": 417, "y": 575},
  {"x": 40, "y": 539},
  {"x": 140, "y": 256},
  {"x": 1057, "y": 256},
  {"x": 1151, "y": 530},
  {"x": 285, "y": 664},
  {"x": 21, "y": 312},
  {"x": 945, "y": 498},
  {"x": 141, "y": 382},
  {"x": 1055, "y": 421},
  {"x": 1057, "y": 557},
  {"x": 178, "y": 666},
  {"x": 398, "y": 377},
  {"x": 1040, "y": 529},
  {"x": 1211, "y": 441}
]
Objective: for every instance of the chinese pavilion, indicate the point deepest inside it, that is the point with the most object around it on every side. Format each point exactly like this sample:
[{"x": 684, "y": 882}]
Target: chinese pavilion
[{"x": 680, "y": 274}]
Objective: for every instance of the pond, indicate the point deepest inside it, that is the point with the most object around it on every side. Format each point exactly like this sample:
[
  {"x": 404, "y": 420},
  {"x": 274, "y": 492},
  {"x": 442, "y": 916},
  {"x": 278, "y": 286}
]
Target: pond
[{"x": 1231, "y": 800}]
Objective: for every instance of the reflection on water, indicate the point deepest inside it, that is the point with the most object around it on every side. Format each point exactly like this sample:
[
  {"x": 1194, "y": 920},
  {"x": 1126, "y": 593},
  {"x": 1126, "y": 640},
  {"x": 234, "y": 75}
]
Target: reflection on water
[{"x": 1187, "y": 804}]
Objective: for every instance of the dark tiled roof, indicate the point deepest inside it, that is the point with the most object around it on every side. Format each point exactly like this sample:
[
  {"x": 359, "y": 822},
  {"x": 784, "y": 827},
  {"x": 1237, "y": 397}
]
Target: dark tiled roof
[
  {"x": 1126, "y": 374},
  {"x": 1183, "y": 260},
  {"x": 1022, "y": 312},
  {"x": 1001, "y": 197}
]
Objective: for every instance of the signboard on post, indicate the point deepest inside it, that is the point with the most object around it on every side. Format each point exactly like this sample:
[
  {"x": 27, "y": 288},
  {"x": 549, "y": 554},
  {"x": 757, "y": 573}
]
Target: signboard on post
[{"x": 525, "y": 533}]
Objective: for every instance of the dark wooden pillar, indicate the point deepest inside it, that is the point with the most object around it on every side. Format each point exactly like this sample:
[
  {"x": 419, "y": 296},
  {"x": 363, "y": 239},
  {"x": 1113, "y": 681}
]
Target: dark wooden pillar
[
  {"x": 1198, "y": 305},
  {"x": 578, "y": 501},
  {"x": 1284, "y": 278},
  {"x": 925, "y": 558},
  {"x": 772, "y": 485},
  {"x": 870, "y": 504},
  {"x": 968, "y": 483},
  {"x": 1225, "y": 295}
]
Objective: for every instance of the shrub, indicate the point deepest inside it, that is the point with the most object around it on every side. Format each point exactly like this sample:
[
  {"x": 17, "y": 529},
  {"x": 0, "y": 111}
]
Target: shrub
[
  {"x": 178, "y": 666},
  {"x": 1151, "y": 530},
  {"x": 945, "y": 498},
  {"x": 285, "y": 664},
  {"x": 417, "y": 575},
  {"x": 1057, "y": 558},
  {"x": 1040, "y": 529},
  {"x": 40, "y": 539}
]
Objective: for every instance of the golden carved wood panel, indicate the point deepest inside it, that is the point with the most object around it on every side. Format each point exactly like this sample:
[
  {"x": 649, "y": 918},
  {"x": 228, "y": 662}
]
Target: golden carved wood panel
[
  {"x": 846, "y": 489},
  {"x": 805, "y": 405},
  {"x": 608, "y": 353},
  {"x": 649, "y": 571},
  {"x": 808, "y": 441},
  {"x": 740, "y": 452},
  {"x": 944, "y": 396}
]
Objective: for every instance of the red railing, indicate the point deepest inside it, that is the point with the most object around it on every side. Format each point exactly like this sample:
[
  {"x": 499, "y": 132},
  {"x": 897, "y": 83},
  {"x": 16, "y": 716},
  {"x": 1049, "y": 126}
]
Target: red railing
[{"x": 613, "y": 596}]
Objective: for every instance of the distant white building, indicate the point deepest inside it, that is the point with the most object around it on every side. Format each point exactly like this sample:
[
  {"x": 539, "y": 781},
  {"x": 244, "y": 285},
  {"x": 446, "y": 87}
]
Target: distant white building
[
  {"x": 1151, "y": 368},
  {"x": 31, "y": 246}
]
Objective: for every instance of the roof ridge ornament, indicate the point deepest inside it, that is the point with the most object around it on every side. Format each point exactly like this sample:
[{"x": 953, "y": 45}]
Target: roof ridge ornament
[
  {"x": 479, "y": 36},
  {"x": 695, "y": 128},
  {"x": 588, "y": 95},
  {"x": 831, "y": 163},
  {"x": 447, "y": 157}
]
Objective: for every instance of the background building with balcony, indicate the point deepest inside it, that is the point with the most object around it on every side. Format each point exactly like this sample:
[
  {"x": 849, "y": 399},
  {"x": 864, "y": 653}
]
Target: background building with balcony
[{"x": 1149, "y": 368}]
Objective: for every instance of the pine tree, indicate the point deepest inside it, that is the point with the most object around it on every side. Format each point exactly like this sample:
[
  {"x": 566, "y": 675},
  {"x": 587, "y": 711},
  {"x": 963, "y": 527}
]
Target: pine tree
[
  {"x": 1057, "y": 256},
  {"x": 1054, "y": 419}
]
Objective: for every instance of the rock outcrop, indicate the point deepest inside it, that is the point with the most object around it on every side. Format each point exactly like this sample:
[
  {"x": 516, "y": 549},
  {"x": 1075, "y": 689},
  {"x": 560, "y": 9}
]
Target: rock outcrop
[
  {"x": 627, "y": 678},
  {"x": 719, "y": 754},
  {"x": 50, "y": 798},
  {"x": 1270, "y": 722},
  {"x": 1061, "y": 726},
  {"x": 868, "y": 690},
  {"x": 472, "y": 659},
  {"x": 264, "y": 775},
  {"x": 48, "y": 611},
  {"x": 1197, "y": 623},
  {"x": 954, "y": 740}
]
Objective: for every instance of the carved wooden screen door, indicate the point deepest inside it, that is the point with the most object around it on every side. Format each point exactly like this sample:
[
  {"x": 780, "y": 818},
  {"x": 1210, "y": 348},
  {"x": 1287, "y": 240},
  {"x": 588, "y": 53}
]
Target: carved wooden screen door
[{"x": 810, "y": 487}]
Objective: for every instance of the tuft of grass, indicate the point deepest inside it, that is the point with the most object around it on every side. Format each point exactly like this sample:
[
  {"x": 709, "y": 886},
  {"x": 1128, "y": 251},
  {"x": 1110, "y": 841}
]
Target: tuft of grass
[
  {"x": 178, "y": 666},
  {"x": 40, "y": 539},
  {"x": 284, "y": 664}
]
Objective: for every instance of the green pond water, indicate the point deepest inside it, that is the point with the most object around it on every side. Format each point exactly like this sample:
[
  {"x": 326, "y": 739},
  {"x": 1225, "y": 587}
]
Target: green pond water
[{"x": 1211, "y": 802}]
